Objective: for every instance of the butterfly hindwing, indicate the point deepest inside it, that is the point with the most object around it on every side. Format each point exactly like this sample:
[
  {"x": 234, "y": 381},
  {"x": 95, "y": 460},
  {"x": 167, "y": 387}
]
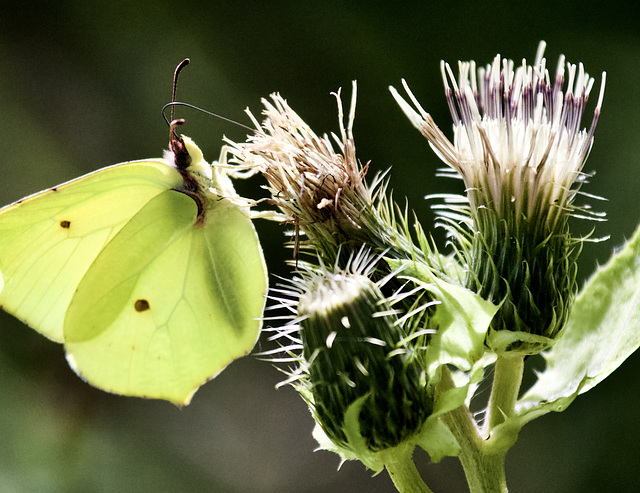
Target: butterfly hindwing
[
  {"x": 180, "y": 316},
  {"x": 105, "y": 290}
]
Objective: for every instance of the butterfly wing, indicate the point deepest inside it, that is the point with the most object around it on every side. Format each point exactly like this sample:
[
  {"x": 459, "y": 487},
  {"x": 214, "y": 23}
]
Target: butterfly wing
[
  {"x": 169, "y": 302},
  {"x": 49, "y": 240}
]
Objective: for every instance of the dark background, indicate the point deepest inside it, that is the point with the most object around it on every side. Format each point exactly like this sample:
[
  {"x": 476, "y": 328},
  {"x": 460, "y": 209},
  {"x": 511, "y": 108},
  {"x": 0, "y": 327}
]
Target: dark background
[{"x": 81, "y": 87}]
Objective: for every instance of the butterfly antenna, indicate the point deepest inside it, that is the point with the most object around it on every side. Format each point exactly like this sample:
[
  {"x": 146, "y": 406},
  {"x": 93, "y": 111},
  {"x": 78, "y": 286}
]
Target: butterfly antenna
[
  {"x": 173, "y": 122},
  {"x": 179, "y": 68},
  {"x": 206, "y": 112},
  {"x": 176, "y": 144}
]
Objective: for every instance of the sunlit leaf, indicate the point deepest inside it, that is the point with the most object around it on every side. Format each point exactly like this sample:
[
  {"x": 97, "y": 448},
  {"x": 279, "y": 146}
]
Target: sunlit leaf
[{"x": 602, "y": 331}]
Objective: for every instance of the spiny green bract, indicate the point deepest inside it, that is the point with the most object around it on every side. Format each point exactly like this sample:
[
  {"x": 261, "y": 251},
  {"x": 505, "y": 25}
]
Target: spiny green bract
[{"x": 532, "y": 274}]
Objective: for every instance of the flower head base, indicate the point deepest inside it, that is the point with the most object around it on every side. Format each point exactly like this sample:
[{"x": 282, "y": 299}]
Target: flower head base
[{"x": 519, "y": 149}]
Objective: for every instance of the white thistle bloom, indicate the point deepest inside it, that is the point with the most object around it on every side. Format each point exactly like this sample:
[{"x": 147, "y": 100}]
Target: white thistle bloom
[
  {"x": 519, "y": 148},
  {"x": 517, "y": 136}
]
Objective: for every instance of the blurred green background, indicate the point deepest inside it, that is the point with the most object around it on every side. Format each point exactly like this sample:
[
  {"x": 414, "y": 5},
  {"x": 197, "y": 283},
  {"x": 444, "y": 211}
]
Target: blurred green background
[{"x": 81, "y": 87}]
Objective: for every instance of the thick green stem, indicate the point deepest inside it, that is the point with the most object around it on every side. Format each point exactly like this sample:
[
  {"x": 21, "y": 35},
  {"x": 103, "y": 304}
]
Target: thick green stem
[
  {"x": 484, "y": 472},
  {"x": 507, "y": 378},
  {"x": 403, "y": 472}
]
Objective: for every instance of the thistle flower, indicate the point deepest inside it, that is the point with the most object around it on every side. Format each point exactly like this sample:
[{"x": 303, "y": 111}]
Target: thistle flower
[
  {"x": 362, "y": 378},
  {"x": 520, "y": 151},
  {"x": 318, "y": 184}
]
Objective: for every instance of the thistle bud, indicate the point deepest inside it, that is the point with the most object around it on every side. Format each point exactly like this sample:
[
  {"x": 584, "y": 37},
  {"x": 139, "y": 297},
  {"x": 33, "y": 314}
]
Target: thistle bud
[{"x": 355, "y": 352}]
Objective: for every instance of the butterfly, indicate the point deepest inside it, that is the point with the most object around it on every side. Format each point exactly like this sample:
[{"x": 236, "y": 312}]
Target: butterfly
[{"x": 149, "y": 272}]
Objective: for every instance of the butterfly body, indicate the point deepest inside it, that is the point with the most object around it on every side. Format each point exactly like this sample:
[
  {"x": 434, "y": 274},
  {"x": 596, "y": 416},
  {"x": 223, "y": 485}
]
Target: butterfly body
[{"x": 149, "y": 272}]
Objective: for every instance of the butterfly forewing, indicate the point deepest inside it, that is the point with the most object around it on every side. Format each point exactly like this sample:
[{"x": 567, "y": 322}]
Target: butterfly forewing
[{"x": 49, "y": 240}]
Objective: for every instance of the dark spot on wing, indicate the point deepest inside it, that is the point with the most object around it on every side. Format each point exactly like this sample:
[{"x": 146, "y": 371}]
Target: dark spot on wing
[
  {"x": 141, "y": 305},
  {"x": 65, "y": 224},
  {"x": 54, "y": 189}
]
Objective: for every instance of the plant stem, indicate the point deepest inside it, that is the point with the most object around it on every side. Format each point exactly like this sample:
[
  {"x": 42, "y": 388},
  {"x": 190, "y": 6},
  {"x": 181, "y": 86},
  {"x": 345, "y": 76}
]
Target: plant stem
[
  {"x": 507, "y": 378},
  {"x": 403, "y": 472},
  {"x": 484, "y": 472}
]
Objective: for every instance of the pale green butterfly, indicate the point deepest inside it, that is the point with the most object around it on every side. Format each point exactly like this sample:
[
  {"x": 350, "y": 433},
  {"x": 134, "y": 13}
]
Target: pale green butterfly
[{"x": 150, "y": 272}]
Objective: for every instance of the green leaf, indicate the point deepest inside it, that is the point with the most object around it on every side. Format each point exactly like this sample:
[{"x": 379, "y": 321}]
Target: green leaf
[
  {"x": 434, "y": 437},
  {"x": 461, "y": 320},
  {"x": 356, "y": 449},
  {"x": 601, "y": 332},
  {"x": 438, "y": 441}
]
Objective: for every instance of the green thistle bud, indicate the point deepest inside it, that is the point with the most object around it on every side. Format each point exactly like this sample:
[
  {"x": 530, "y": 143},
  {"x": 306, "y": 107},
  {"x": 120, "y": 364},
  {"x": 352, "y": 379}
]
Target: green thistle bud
[
  {"x": 520, "y": 151},
  {"x": 355, "y": 352}
]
